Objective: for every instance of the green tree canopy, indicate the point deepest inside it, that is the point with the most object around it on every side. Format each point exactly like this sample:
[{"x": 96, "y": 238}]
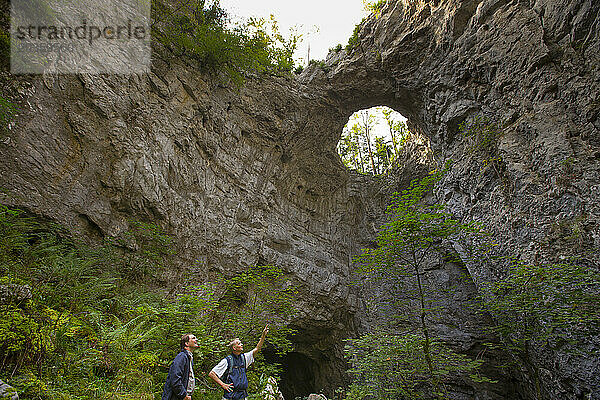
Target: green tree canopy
[{"x": 202, "y": 31}]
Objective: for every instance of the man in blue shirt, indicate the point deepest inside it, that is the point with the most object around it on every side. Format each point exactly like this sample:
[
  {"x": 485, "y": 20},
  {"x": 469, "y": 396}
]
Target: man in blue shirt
[{"x": 180, "y": 381}]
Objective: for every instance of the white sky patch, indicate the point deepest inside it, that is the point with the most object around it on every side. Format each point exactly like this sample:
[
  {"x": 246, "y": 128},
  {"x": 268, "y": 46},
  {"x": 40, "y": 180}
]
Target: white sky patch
[
  {"x": 381, "y": 127},
  {"x": 324, "y": 23}
]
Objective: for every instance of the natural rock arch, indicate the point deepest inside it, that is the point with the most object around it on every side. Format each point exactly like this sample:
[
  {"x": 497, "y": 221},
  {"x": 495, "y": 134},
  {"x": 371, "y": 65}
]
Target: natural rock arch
[{"x": 241, "y": 177}]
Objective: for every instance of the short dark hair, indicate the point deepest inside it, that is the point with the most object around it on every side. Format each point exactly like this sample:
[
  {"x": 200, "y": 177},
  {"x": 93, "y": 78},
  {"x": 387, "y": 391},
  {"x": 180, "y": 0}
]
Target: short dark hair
[{"x": 184, "y": 339}]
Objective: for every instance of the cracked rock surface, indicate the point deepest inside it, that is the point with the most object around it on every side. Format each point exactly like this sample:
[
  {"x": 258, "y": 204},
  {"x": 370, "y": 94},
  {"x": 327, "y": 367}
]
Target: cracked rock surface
[{"x": 251, "y": 176}]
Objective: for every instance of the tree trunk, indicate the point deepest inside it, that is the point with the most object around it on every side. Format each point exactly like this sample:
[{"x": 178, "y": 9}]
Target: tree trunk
[{"x": 365, "y": 117}]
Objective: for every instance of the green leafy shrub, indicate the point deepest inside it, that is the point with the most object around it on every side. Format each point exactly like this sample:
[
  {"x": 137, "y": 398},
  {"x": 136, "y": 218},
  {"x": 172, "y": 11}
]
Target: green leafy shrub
[
  {"x": 550, "y": 305},
  {"x": 93, "y": 330},
  {"x": 20, "y": 334},
  {"x": 320, "y": 64},
  {"x": 201, "y": 31},
  {"x": 375, "y": 7},
  {"x": 354, "y": 41},
  {"x": 545, "y": 302},
  {"x": 482, "y": 135},
  {"x": 141, "y": 252},
  {"x": 390, "y": 366},
  {"x": 32, "y": 387},
  {"x": 372, "y": 8},
  {"x": 7, "y": 111},
  {"x": 250, "y": 296}
]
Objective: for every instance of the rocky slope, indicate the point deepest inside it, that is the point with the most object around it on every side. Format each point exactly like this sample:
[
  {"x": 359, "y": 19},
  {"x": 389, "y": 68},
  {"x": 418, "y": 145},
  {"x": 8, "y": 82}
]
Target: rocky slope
[{"x": 250, "y": 176}]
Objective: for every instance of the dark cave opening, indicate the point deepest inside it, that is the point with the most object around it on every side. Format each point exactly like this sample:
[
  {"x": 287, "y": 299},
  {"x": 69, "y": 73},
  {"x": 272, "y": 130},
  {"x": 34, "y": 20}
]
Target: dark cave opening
[{"x": 298, "y": 376}]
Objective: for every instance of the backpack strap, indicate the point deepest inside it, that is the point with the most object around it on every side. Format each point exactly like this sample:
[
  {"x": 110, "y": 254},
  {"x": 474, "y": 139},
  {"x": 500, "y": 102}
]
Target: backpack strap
[{"x": 229, "y": 359}]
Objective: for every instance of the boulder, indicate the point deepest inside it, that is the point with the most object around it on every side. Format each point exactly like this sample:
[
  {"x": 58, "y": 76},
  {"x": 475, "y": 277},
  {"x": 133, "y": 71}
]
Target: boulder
[
  {"x": 13, "y": 293},
  {"x": 8, "y": 392}
]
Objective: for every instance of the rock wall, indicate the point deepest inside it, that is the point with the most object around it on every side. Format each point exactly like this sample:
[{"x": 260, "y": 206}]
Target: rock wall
[
  {"x": 250, "y": 176},
  {"x": 530, "y": 67},
  {"x": 239, "y": 177},
  {"x": 8, "y": 392}
]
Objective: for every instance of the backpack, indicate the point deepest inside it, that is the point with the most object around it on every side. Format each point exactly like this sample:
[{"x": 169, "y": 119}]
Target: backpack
[
  {"x": 238, "y": 378},
  {"x": 229, "y": 359}
]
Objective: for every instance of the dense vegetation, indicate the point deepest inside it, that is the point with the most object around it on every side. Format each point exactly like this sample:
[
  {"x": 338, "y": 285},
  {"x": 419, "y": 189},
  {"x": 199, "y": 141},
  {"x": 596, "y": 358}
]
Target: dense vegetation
[
  {"x": 96, "y": 327},
  {"x": 202, "y": 30}
]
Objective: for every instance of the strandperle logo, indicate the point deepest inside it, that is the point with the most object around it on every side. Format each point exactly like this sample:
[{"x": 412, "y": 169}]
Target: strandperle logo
[
  {"x": 82, "y": 32},
  {"x": 84, "y": 36}
]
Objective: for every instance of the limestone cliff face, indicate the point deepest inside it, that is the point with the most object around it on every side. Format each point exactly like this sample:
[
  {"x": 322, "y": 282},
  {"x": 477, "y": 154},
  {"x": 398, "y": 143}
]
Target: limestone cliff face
[
  {"x": 238, "y": 177},
  {"x": 532, "y": 67},
  {"x": 250, "y": 176}
]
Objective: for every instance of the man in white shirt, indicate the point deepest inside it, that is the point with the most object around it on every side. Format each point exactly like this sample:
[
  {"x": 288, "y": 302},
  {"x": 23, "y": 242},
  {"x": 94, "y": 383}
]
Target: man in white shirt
[{"x": 230, "y": 372}]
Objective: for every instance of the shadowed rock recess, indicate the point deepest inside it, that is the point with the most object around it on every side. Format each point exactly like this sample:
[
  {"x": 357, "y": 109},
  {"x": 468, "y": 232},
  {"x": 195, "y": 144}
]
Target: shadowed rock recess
[{"x": 251, "y": 176}]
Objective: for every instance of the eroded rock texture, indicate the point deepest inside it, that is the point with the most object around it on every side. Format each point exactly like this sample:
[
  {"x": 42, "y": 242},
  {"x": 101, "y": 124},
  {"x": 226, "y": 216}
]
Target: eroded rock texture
[
  {"x": 532, "y": 68},
  {"x": 250, "y": 176},
  {"x": 238, "y": 177},
  {"x": 8, "y": 392}
]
